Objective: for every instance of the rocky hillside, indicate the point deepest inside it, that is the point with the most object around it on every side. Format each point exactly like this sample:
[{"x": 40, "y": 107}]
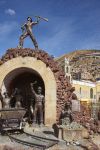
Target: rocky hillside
[{"x": 85, "y": 64}]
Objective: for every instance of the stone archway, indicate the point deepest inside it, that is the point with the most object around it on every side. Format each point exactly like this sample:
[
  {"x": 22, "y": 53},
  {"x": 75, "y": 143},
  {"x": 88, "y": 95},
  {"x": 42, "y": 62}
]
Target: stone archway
[
  {"x": 58, "y": 89},
  {"x": 45, "y": 73},
  {"x": 21, "y": 78}
]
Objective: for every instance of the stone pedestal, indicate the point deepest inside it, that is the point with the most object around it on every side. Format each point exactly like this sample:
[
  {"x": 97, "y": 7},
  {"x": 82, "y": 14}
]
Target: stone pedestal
[
  {"x": 69, "y": 134},
  {"x": 74, "y": 135}
]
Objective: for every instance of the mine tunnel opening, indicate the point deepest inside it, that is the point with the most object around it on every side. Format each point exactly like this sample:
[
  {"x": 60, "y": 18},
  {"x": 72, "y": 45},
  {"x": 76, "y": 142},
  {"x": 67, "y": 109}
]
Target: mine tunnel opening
[{"x": 21, "y": 78}]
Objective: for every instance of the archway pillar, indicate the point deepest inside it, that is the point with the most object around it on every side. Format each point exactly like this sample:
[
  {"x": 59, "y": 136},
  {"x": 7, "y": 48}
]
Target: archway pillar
[{"x": 50, "y": 106}]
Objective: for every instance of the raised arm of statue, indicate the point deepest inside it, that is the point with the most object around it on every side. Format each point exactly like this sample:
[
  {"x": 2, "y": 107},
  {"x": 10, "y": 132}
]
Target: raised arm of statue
[
  {"x": 36, "y": 22},
  {"x": 32, "y": 89},
  {"x": 23, "y": 27}
]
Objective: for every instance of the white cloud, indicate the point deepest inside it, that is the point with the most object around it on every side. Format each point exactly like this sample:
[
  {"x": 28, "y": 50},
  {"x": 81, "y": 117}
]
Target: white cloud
[{"x": 10, "y": 12}]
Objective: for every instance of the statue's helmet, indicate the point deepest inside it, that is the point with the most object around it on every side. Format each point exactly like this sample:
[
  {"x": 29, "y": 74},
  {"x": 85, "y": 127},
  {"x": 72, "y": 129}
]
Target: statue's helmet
[
  {"x": 29, "y": 19},
  {"x": 39, "y": 88},
  {"x": 5, "y": 93}
]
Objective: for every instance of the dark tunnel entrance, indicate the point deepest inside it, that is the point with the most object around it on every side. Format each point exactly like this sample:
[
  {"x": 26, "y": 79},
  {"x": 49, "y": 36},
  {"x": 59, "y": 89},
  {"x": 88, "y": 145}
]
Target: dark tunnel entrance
[{"x": 21, "y": 78}]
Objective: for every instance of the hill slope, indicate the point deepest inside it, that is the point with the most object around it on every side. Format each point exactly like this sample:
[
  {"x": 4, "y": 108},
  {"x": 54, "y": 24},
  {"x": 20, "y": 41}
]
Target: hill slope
[{"x": 85, "y": 63}]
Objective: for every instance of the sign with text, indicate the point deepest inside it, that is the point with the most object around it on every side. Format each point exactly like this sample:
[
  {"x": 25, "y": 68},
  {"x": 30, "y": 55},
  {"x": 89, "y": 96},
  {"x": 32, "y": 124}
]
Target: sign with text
[{"x": 75, "y": 105}]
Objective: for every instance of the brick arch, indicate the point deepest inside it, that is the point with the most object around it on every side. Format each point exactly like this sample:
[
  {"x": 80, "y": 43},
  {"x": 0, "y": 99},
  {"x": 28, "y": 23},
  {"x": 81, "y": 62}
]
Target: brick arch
[
  {"x": 47, "y": 76},
  {"x": 63, "y": 90}
]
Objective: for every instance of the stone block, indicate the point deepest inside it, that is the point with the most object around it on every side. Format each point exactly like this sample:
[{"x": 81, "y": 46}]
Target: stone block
[{"x": 70, "y": 135}]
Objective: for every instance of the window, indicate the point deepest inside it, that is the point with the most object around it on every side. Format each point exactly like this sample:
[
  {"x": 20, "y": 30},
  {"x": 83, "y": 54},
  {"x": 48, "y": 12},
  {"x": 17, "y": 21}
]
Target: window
[
  {"x": 99, "y": 98},
  {"x": 94, "y": 96},
  {"x": 91, "y": 93},
  {"x": 67, "y": 70},
  {"x": 80, "y": 90},
  {"x": 69, "y": 78}
]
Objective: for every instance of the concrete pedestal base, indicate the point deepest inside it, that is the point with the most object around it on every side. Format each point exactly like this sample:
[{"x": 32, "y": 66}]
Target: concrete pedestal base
[{"x": 72, "y": 134}]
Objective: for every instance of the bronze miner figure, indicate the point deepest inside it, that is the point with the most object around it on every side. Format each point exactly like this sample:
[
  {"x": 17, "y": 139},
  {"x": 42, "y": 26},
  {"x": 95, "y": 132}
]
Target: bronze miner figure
[
  {"x": 17, "y": 97},
  {"x": 39, "y": 104},
  {"x": 27, "y": 31},
  {"x": 66, "y": 114},
  {"x": 6, "y": 100}
]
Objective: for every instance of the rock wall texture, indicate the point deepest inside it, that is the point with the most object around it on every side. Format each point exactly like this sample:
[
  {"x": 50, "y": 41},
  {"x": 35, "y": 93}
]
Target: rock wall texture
[{"x": 85, "y": 64}]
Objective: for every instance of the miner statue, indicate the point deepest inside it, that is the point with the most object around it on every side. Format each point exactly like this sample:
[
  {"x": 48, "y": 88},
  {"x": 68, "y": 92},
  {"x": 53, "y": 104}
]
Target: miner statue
[
  {"x": 27, "y": 31},
  {"x": 38, "y": 105},
  {"x": 6, "y": 101},
  {"x": 66, "y": 115}
]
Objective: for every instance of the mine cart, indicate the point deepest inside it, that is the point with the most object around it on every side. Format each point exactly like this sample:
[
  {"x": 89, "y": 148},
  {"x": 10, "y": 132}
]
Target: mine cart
[{"x": 12, "y": 119}]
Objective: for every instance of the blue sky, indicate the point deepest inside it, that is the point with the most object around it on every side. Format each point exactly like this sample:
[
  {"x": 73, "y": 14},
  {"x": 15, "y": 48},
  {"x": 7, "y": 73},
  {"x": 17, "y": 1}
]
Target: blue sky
[{"x": 73, "y": 24}]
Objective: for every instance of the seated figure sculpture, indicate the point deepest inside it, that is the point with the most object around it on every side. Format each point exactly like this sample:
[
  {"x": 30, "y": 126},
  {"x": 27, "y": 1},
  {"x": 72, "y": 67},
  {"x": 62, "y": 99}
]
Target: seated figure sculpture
[{"x": 66, "y": 114}]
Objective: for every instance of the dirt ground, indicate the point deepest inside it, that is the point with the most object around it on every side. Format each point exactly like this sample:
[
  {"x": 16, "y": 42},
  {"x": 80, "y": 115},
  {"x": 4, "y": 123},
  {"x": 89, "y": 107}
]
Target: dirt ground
[{"x": 96, "y": 140}]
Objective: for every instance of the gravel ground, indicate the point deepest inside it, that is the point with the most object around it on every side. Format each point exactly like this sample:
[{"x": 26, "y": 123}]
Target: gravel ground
[
  {"x": 96, "y": 140},
  {"x": 45, "y": 132}
]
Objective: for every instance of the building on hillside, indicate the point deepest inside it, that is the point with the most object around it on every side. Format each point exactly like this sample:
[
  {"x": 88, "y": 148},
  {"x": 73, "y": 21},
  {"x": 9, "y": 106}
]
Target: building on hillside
[
  {"x": 88, "y": 93},
  {"x": 80, "y": 69},
  {"x": 87, "y": 90},
  {"x": 83, "y": 65},
  {"x": 64, "y": 64}
]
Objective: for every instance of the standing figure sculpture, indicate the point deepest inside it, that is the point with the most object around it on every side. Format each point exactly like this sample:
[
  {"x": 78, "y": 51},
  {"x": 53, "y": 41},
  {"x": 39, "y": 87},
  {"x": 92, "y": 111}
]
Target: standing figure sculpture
[
  {"x": 27, "y": 31},
  {"x": 39, "y": 104},
  {"x": 17, "y": 98},
  {"x": 6, "y": 101}
]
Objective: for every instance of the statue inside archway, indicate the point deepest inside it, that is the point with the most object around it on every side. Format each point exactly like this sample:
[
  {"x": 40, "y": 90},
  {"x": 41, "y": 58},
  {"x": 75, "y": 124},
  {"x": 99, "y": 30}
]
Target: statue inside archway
[
  {"x": 17, "y": 98},
  {"x": 6, "y": 101},
  {"x": 38, "y": 105}
]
